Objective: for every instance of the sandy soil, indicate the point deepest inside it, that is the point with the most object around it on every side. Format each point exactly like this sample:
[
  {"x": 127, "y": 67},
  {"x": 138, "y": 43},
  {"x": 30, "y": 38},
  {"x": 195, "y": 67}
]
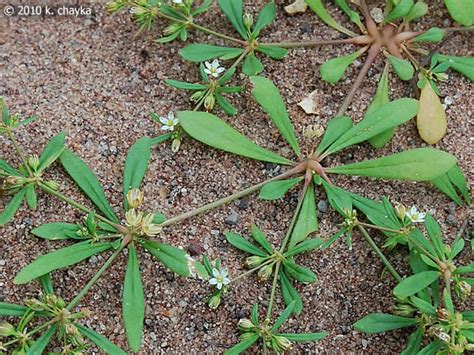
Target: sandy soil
[{"x": 92, "y": 78}]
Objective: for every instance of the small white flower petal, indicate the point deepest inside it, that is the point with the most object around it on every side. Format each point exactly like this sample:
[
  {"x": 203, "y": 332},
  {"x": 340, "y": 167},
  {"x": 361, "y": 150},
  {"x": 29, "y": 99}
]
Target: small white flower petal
[
  {"x": 213, "y": 281},
  {"x": 220, "y": 70},
  {"x": 215, "y": 63},
  {"x": 208, "y": 66},
  {"x": 164, "y": 120},
  {"x": 226, "y": 281},
  {"x": 224, "y": 272},
  {"x": 219, "y": 286},
  {"x": 215, "y": 272},
  {"x": 171, "y": 115},
  {"x": 175, "y": 121}
]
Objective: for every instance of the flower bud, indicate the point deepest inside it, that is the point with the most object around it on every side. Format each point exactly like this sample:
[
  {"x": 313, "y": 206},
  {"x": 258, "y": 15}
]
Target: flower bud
[
  {"x": 175, "y": 145},
  {"x": 215, "y": 301},
  {"x": 33, "y": 162},
  {"x": 463, "y": 290},
  {"x": 265, "y": 272},
  {"x": 253, "y": 261},
  {"x": 15, "y": 180},
  {"x": 282, "y": 344},
  {"x": 6, "y": 329},
  {"x": 135, "y": 198},
  {"x": 197, "y": 95},
  {"x": 441, "y": 76},
  {"x": 148, "y": 227},
  {"x": 71, "y": 329},
  {"x": 169, "y": 30},
  {"x": 209, "y": 102},
  {"x": 53, "y": 185},
  {"x": 86, "y": 312},
  {"x": 246, "y": 335},
  {"x": 133, "y": 218},
  {"x": 248, "y": 21},
  {"x": 401, "y": 211},
  {"x": 442, "y": 314},
  {"x": 35, "y": 304},
  {"x": 403, "y": 310},
  {"x": 245, "y": 325}
]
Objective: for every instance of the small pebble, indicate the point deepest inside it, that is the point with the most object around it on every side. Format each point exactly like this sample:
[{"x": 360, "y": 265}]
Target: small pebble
[
  {"x": 322, "y": 206},
  {"x": 232, "y": 218}
]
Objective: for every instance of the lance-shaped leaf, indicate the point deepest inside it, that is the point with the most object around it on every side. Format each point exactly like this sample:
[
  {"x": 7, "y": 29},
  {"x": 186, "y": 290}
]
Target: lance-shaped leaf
[
  {"x": 87, "y": 181},
  {"x": 200, "y": 52},
  {"x": 307, "y": 221},
  {"x": 433, "y": 35},
  {"x": 452, "y": 182},
  {"x": 418, "y": 10},
  {"x": 136, "y": 165},
  {"x": 333, "y": 69},
  {"x": 8, "y": 168},
  {"x": 184, "y": 85},
  {"x": 415, "y": 283},
  {"x": 381, "y": 98},
  {"x": 339, "y": 199},
  {"x": 431, "y": 118},
  {"x": 243, "y": 345},
  {"x": 336, "y": 128},
  {"x": 282, "y": 318},
  {"x": 305, "y": 246},
  {"x": 133, "y": 301},
  {"x": 233, "y": 10},
  {"x": 161, "y": 139},
  {"x": 57, "y": 231},
  {"x": 422, "y": 164},
  {"x": 46, "y": 283},
  {"x": 461, "y": 11},
  {"x": 243, "y": 244},
  {"x": 318, "y": 7},
  {"x": 58, "y": 259},
  {"x": 265, "y": 17},
  {"x": 400, "y": 10},
  {"x": 273, "y": 52},
  {"x": 304, "y": 337},
  {"x": 42, "y": 342},
  {"x": 353, "y": 15},
  {"x": 268, "y": 96},
  {"x": 30, "y": 196},
  {"x": 299, "y": 272},
  {"x": 99, "y": 340},
  {"x": 277, "y": 189},
  {"x": 290, "y": 294},
  {"x": 11, "y": 208},
  {"x": 402, "y": 67},
  {"x": 261, "y": 238},
  {"x": 225, "y": 105},
  {"x": 52, "y": 151},
  {"x": 385, "y": 117},
  {"x": 381, "y": 322},
  {"x": 211, "y": 130},
  {"x": 252, "y": 65},
  {"x": 173, "y": 258},
  {"x": 464, "y": 65},
  {"x": 12, "y": 310}
]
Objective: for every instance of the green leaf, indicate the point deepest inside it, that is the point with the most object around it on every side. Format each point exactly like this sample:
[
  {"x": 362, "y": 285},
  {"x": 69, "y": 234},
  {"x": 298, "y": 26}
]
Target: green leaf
[
  {"x": 299, "y": 272},
  {"x": 56, "y": 230},
  {"x": 225, "y": 105},
  {"x": 283, "y": 316},
  {"x": 52, "y": 151},
  {"x": 304, "y": 337},
  {"x": 242, "y": 346},
  {"x": 415, "y": 283},
  {"x": 381, "y": 119},
  {"x": 133, "y": 302},
  {"x": 307, "y": 221},
  {"x": 11, "y": 208},
  {"x": 200, "y": 52},
  {"x": 46, "y": 283},
  {"x": 448, "y": 302},
  {"x": 42, "y": 342},
  {"x": 400, "y": 10},
  {"x": 305, "y": 246},
  {"x": 261, "y": 238},
  {"x": 212, "y": 131},
  {"x": 243, "y": 244},
  {"x": 432, "y": 348},
  {"x": 463, "y": 65},
  {"x": 452, "y": 182},
  {"x": 4, "y": 166},
  {"x": 272, "y": 51},
  {"x": 336, "y": 128},
  {"x": 318, "y": 7},
  {"x": 136, "y": 165},
  {"x": 173, "y": 258},
  {"x": 462, "y": 11},
  {"x": 12, "y": 310},
  {"x": 433, "y": 35},
  {"x": 418, "y": 10},
  {"x": 402, "y": 67},
  {"x": 468, "y": 269},
  {"x": 414, "y": 342},
  {"x": 205, "y": 5},
  {"x": 161, "y": 139},
  {"x": 268, "y": 96},
  {"x": 333, "y": 69},
  {"x": 184, "y": 85},
  {"x": 99, "y": 340},
  {"x": 381, "y": 322},
  {"x": 415, "y": 165},
  {"x": 381, "y": 98},
  {"x": 252, "y": 65},
  {"x": 58, "y": 259},
  {"x": 353, "y": 15},
  {"x": 434, "y": 232},
  {"x": 265, "y": 18},
  {"x": 290, "y": 294},
  {"x": 233, "y": 10},
  {"x": 87, "y": 181},
  {"x": 277, "y": 189},
  {"x": 254, "y": 314},
  {"x": 339, "y": 199},
  {"x": 423, "y": 306},
  {"x": 30, "y": 196}
]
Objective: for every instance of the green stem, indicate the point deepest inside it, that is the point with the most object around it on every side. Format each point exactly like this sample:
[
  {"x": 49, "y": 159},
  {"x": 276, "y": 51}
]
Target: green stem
[
  {"x": 228, "y": 199},
  {"x": 460, "y": 29},
  {"x": 20, "y": 152},
  {"x": 379, "y": 253},
  {"x": 79, "y": 206},
  {"x": 248, "y": 272},
  {"x": 272, "y": 295},
  {"x": 384, "y": 229},
  {"x": 92, "y": 281}
]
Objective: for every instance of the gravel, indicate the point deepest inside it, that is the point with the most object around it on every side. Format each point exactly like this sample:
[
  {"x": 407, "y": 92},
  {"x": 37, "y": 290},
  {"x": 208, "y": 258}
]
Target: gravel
[{"x": 96, "y": 80}]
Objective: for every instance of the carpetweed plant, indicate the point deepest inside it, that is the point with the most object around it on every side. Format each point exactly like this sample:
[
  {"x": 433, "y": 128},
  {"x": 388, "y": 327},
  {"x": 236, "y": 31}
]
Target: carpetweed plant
[{"x": 423, "y": 300}]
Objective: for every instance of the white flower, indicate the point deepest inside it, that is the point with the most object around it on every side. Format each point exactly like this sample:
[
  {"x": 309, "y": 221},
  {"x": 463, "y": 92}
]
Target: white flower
[
  {"x": 213, "y": 68},
  {"x": 415, "y": 216},
  {"x": 220, "y": 278},
  {"x": 178, "y": 2},
  {"x": 169, "y": 123}
]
